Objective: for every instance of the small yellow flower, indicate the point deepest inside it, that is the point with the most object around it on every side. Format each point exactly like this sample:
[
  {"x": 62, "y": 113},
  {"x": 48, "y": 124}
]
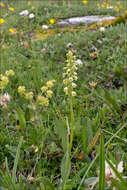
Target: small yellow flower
[
  {"x": 44, "y": 88},
  {"x": 107, "y": 5},
  {"x": 50, "y": 83},
  {"x": 21, "y": 90},
  {"x": 11, "y": 8},
  {"x": 31, "y": 179},
  {"x": 29, "y": 3},
  {"x": 43, "y": 101},
  {"x": 4, "y": 81},
  {"x": 102, "y": 6},
  {"x": 49, "y": 93},
  {"x": 117, "y": 9},
  {"x": 52, "y": 21},
  {"x": 10, "y": 73},
  {"x": 84, "y": 1},
  {"x": 2, "y": 21},
  {"x": 2, "y": 5},
  {"x": 29, "y": 95},
  {"x": 92, "y": 84},
  {"x": 12, "y": 30},
  {"x": 94, "y": 54}
]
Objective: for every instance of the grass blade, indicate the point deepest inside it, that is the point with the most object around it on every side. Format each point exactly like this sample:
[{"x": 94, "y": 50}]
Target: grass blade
[
  {"x": 102, "y": 165},
  {"x": 16, "y": 161}
]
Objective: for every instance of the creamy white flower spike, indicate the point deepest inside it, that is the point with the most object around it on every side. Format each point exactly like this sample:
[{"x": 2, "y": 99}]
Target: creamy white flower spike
[
  {"x": 31, "y": 15},
  {"x": 24, "y": 13}
]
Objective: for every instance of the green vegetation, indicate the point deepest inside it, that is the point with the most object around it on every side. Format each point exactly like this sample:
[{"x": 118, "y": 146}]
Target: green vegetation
[{"x": 60, "y": 123}]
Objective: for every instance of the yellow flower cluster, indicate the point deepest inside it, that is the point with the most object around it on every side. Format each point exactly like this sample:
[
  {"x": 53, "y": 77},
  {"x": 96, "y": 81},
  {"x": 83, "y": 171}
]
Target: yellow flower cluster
[
  {"x": 84, "y": 1},
  {"x": 70, "y": 75},
  {"x": 3, "y": 81},
  {"x": 43, "y": 101},
  {"x": 10, "y": 73},
  {"x": 46, "y": 90},
  {"x": 4, "y": 78},
  {"x": 11, "y": 8},
  {"x": 22, "y": 92},
  {"x": 2, "y": 5},
  {"x": 2, "y": 20}
]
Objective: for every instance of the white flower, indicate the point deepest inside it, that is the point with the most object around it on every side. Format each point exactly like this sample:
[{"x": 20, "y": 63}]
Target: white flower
[
  {"x": 69, "y": 45},
  {"x": 44, "y": 27},
  {"x": 74, "y": 85},
  {"x": 120, "y": 167},
  {"x": 79, "y": 62},
  {"x": 110, "y": 7},
  {"x": 102, "y": 29},
  {"x": 110, "y": 173},
  {"x": 31, "y": 15},
  {"x": 66, "y": 90},
  {"x": 24, "y": 13},
  {"x": 73, "y": 93},
  {"x": 4, "y": 99}
]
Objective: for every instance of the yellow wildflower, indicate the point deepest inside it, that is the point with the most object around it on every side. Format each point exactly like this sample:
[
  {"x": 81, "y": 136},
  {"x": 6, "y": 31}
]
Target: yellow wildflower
[
  {"x": 9, "y": 73},
  {"x": 29, "y": 3},
  {"x": 102, "y": 6},
  {"x": 21, "y": 90},
  {"x": 44, "y": 88},
  {"x": 29, "y": 95},
  {"x": 49, "y": 93},
  {"x": 43, "y": 101},
  {"x": 2, "y": 20},
  {"x": 92, "y": 84},
  {"x": 52, "y": 21},
  {"x": 117, "y": 9},
  {"x": 12, "y": 30},
  {"x": 4, "y": 81},
  {"x": 2, "y": 5},
  {"x": 50, "y": 83},
  {"x": 84, "y": 1},
  {"x": 11, "y": 8}
]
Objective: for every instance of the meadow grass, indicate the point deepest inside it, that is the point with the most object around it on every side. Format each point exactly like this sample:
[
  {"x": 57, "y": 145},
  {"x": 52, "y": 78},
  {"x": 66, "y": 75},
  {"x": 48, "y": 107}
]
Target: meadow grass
[{"x": 100, "y": 103}]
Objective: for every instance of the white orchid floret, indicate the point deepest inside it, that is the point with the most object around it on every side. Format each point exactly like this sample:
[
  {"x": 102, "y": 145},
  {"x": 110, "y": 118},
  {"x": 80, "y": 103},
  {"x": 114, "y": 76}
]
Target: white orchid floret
[
  {"x": 73, "y": 93},
  {"x": 74, "y": 85},
  {"x": 45, "y": 27},
  {"x": 65, "y": 81},
  {"x": 66, "y": 90},
  {"x": 24, "y": 13},
  {"x": 64, "y": 75},
  {"x": 70, "y": 79},
  {"x": 31, "y": 15},
  {"x": 75, "y": 77}
]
